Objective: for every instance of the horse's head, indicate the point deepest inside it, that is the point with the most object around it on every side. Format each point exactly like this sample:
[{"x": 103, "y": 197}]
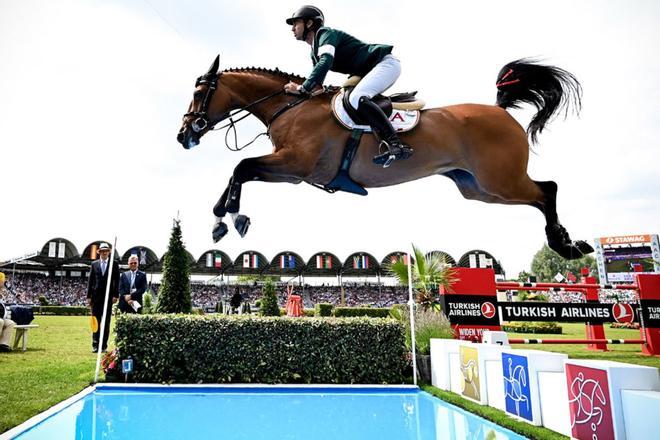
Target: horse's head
[{"x": 209, "y": 106}]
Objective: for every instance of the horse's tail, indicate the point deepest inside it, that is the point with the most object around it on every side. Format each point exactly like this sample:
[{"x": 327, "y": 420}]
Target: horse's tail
[{"x": 548, "y": 88}]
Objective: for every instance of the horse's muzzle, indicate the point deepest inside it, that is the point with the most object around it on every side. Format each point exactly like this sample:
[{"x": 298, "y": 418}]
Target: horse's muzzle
[{"x": 187, "y": 137}]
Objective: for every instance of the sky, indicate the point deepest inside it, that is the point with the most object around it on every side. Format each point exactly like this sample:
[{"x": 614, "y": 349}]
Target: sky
[{"x": 92, "y": 94}]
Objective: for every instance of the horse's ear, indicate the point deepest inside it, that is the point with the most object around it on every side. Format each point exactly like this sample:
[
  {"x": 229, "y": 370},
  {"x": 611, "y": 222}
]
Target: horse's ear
[{"x": 214, "y": 67}]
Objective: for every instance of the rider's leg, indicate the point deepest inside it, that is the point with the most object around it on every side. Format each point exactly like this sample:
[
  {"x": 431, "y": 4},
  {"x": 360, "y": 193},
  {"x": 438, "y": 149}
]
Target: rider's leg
[{"x": 379, "y": 79}]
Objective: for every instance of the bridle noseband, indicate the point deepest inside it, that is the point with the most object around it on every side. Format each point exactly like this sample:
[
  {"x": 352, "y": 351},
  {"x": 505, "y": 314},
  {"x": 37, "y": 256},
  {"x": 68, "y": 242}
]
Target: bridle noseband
[{"x": 202, "y": 120}]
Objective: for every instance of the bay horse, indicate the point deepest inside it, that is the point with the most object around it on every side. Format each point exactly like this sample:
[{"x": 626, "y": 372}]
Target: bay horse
[{"x": 482, "y": 148}]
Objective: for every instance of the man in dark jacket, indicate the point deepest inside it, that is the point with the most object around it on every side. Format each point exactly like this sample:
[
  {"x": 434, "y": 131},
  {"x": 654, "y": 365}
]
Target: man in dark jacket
[
  {"x": 96, "y": 287},
  {"x": 132, "y": 285}
]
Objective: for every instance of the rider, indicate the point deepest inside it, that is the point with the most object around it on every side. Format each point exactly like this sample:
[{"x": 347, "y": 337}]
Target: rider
[{"x": 337, "y": 51}]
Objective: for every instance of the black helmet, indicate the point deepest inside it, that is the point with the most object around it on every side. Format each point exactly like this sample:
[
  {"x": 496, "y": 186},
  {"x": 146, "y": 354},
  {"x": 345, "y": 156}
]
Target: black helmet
[{"x": 307, "y": 12}]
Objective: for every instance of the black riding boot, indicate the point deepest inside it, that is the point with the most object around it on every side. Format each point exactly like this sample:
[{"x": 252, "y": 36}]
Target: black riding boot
[{"x": 374, "y": 116}]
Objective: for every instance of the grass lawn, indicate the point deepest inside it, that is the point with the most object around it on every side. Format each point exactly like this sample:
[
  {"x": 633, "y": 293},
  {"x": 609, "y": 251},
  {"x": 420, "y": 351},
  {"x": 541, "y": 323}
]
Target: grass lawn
[
  {"x": 58, "y": 363},
  {"x": 630, "y": 353}
]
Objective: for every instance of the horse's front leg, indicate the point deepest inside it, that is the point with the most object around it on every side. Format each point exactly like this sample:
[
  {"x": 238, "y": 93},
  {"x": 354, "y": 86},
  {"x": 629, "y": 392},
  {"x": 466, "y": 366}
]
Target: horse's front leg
[{"x": 277, "y": 167}]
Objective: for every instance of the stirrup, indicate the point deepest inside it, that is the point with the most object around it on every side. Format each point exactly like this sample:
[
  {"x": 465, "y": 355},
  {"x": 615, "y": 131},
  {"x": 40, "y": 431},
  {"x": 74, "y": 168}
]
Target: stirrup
[{"x": 386, "y": 159}]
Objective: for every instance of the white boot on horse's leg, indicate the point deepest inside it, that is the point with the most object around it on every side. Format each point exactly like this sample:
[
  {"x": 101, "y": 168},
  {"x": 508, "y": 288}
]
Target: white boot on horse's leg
[
  {"x": 241, "y": 223},
  {"x": 219, "y": 229}
]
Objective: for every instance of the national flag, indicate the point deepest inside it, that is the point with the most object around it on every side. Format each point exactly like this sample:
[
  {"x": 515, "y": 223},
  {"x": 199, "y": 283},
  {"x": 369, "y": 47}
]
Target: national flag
[
  {"x": 365, "y": 262},
  {"x": 319, "y": 261},
  {"x": 255, "y": 261},
  {"x": 61, "y": 250},
  {"x": 52, "y": 249},
  {"x": 246, "y": 260},
  {"x": 218, "y": 260},
  {"x": 356, "y": 262},
  {"x": 209, "y": 259},
  {"x": 93, "y": 251},
  {"x": 143, "y": 256},
  {"x": 287, "y": 262},
  {"x": 328, "y": 262},
  {"x": 282, "y": 261}
]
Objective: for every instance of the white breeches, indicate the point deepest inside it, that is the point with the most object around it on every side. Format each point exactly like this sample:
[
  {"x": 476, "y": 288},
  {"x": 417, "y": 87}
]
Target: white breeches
[{"x": 379, "y": 79}]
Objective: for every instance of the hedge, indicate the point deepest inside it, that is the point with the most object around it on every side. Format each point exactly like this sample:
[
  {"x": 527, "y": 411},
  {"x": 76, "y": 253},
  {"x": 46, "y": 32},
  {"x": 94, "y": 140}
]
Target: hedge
[
  {"x": 323, "y": 309},
  {"x": 372, "y": 312},
  {"x": 533, "y": 327},
  {"x": 218, "y": 349},
  {"x": 61, "y": 310}
]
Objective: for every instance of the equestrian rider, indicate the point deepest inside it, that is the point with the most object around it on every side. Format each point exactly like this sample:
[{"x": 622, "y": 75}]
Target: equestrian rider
[{"x": 337, "y": 51}]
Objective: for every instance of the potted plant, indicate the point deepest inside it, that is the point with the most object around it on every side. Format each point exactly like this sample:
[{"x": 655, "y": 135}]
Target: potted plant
[{"x": 429, "y": 272}]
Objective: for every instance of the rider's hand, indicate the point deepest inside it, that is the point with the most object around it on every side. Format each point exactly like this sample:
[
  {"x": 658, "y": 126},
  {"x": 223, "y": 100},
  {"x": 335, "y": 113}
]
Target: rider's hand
[{"x": 292, "y": 88}]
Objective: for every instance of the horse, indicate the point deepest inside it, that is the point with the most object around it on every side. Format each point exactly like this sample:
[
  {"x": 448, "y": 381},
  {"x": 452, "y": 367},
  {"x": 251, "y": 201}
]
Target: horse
[{"x": 482, "y": 148}]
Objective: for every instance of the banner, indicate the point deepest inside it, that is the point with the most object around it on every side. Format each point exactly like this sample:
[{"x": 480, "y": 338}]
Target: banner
[
  {"x": 61, "y": 250},
  {"x": 209, "y": 259},
  {"x": 246, "y": 260},
  {"x": 52, "y": 249},
  {"x": 566, "y": 312},
  {"x": 218, "y": 261}
]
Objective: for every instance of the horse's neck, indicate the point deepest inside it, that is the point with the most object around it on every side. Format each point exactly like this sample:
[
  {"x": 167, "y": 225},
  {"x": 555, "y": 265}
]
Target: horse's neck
[{"x": 249, "y": 87}]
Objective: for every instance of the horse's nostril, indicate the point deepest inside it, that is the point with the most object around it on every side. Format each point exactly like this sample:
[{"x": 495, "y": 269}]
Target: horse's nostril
[{"x": 179, "y": 137}]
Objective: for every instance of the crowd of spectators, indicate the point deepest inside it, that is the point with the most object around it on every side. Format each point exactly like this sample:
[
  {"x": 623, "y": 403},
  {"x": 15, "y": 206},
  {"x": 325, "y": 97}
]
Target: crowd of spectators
[{"x": 27, "y": 288}]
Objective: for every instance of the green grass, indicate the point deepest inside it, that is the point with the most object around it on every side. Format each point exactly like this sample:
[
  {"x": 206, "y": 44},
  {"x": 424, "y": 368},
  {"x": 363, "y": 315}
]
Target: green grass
[
  {"x": 630, "y": 353},
  {"x": 58, "y": 363},
  {"x": 494, "y": 415}
]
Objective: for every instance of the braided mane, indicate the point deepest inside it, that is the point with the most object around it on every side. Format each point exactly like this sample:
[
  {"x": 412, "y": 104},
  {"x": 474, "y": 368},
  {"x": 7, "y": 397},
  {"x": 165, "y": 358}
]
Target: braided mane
[{"x": 276, "y": 72}]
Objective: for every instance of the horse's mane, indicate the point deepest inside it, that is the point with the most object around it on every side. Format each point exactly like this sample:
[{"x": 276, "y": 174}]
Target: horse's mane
[{"x": 276, "y": 72}]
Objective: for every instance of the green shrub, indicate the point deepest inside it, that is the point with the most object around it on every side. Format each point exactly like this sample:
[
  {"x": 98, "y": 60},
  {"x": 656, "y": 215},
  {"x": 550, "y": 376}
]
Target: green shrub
[
  {"x": 309, "y": 313},
  {"x": 323, "y": 309},
  {"x": 371, "y": 312},
  {"x": 197, "y": 311},
  {"x": 148, "y": 302},
  {"x": 217, "y": 349},
  {"x": 61, "y": 310},
  {"x": 43, "y": 301},
  {"x": 429, "y": 324},
  {"x": 533, "y": 327},
  {"x": 269, "y": 305}
]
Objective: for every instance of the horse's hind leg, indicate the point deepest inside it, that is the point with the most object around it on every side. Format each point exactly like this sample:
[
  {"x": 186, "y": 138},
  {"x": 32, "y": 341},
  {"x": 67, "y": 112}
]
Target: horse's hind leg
[
  {"x": 558, "y": 238},
  {"x": 523, "y": 191}
]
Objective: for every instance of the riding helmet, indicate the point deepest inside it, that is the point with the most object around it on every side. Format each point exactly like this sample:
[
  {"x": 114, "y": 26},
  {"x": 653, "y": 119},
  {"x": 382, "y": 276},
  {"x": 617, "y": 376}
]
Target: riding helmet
[{"x": 307, "y": 12}]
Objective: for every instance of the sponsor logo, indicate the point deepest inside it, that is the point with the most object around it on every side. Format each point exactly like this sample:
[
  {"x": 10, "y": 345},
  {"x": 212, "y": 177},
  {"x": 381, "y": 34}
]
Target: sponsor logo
[
  {"x": 488, "y": 310},
  {"x": 623, "y": 313},
  {"x": 626, "y": 239}
]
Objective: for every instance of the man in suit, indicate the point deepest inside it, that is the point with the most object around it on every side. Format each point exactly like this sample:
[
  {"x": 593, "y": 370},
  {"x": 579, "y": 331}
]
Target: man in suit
[
  {"x": 98, "y": 279},
  {"x": 132, "y": 284}
]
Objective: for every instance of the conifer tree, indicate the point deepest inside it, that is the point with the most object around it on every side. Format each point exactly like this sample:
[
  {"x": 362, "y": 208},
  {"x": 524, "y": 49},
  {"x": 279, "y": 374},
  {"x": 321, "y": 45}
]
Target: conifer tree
[
  {"x": 269, "y": 305},
  {"x": 174, "y": 294}
]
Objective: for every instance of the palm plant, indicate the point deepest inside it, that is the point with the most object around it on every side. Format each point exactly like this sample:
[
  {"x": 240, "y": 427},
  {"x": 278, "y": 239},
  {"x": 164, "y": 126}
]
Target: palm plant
[{"x": 429, "y": 272}]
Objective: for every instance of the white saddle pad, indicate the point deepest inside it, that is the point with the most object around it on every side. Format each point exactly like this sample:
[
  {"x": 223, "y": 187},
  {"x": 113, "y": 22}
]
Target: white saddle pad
[{"x": 402, "y": 120}]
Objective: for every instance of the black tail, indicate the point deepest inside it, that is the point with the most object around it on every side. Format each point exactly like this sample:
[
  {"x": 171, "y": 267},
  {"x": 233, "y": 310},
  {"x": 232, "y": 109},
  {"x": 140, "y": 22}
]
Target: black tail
[{"x": 548, "y": 88}]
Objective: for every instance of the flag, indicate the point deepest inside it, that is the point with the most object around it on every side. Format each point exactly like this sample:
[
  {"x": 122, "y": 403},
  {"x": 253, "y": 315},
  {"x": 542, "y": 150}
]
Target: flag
[
  {"x": 255, "y": 261},
  {"x": 356, "y": 262},
  {"x": 61, "y": 250},
  {"x": 287, "y": 262},
  {"x": 93, "y": 252},
  {"x": 394, "y": 259},
  {"x": 328, "y": 262},
  {"x": 209, "y": 259},
  {"x": 319, "y": 261},
  {"x": 143, "y": 256},
  {"x": 218, "y": 260},
  {"x": 365, "y": 262},
  {"x": 246, "y": 260},
  {"x": 52, "y": 249}
]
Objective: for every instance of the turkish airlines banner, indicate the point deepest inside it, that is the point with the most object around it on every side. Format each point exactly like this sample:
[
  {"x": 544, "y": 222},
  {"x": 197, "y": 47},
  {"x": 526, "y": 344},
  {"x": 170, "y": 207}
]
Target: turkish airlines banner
[{"x": 561, "y": 312}]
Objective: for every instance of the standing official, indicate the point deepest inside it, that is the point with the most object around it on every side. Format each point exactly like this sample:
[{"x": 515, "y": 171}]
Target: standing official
[
  {"x": 98, "y": 278},
  {"x": 132, "y": 285}
]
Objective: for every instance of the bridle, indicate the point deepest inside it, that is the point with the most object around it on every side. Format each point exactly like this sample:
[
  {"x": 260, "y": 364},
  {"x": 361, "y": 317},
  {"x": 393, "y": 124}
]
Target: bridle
[{"x": 202, "y": 120}]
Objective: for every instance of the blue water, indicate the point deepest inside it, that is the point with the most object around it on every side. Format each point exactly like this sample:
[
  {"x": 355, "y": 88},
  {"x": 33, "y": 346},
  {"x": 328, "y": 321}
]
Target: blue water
[{"x": 263, "y": 413}]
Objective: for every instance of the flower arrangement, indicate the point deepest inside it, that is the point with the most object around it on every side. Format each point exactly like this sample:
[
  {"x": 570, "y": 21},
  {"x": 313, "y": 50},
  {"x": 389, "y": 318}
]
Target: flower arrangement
[{"x": 111, "y": 365}]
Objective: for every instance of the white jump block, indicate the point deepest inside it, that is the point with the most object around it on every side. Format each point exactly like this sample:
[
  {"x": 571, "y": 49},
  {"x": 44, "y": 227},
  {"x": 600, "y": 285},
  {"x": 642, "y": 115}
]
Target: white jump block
[
  {"x": 440, "y": 353},
  {"x": 594, "y": 396},
  {"x": 554, "y": 402},
  {"x": 523, "y": 395},
  {"x": 640, "y": 412},
  {"x": 470, "y": 374}
]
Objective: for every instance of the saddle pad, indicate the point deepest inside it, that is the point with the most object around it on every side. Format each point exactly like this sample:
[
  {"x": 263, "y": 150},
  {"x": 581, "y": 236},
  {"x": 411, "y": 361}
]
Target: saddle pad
[{"x": 402, "y": 120}]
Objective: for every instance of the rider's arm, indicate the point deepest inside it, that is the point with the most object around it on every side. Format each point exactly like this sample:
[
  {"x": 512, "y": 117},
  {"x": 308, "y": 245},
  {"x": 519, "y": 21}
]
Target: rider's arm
[{"x": 327, "y": 43}]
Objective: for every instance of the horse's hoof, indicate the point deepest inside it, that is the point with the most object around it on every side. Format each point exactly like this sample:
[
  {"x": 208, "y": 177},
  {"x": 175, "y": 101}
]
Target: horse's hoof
[
  {"x": 242, "y": 223},
  {"x": 219, "y": 230},
  {"x": 584, "y": 247}
]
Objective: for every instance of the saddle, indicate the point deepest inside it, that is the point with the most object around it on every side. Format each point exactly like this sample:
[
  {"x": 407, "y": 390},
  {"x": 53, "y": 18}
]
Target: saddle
[{"x": 402, "y": 109}]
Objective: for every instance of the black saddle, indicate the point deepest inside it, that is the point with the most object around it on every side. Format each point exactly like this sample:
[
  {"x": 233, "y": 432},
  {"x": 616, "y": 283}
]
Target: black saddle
[{"x": 382, "y": 101}]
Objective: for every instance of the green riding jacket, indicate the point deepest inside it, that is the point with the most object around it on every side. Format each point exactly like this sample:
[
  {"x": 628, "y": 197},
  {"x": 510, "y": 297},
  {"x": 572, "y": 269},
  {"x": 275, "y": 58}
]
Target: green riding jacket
[{"x": 337, "y": 51}]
